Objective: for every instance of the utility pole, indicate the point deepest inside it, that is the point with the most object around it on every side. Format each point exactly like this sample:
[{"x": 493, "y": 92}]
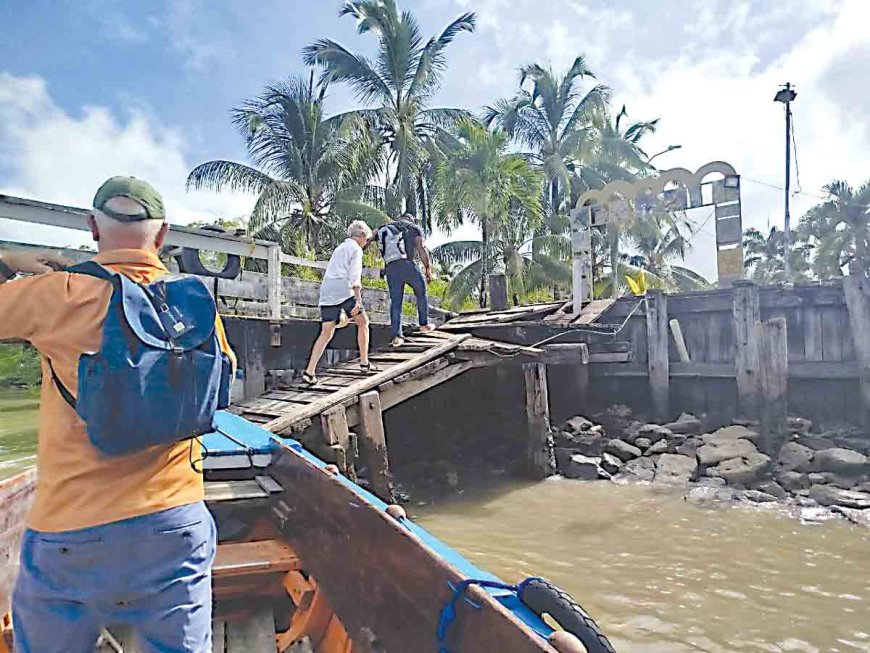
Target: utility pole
[{"x": 786, "y": 95}]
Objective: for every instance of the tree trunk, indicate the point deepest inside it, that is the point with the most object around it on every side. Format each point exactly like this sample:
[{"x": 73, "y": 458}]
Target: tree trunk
[
  {"x": 484, "y": 259},
  {"x": 614, "y": 262}
]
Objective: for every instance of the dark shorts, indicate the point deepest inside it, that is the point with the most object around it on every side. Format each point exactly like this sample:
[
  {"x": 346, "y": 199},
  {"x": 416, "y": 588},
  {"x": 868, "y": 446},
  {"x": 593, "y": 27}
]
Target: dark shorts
[{"x": 331, "y": 313}]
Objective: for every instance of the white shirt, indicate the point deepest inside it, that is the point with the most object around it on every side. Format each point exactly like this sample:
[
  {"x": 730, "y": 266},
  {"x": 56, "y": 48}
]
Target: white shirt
[{"x": 343, "y": 272}]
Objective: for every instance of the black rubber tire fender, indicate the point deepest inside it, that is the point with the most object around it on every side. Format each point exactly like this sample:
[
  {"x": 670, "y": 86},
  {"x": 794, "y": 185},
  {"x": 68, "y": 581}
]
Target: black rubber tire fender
[
  {"x": 542, "y": 597},
  {"x": 190, "y": 263}
]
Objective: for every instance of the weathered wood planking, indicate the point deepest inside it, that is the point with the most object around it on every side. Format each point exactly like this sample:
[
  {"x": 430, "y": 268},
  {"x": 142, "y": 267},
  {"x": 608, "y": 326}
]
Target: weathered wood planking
[
  {"x": 16, "y": 495},
  {"x": 285, "y": 422},
  {"x": 360, "y": 551}
]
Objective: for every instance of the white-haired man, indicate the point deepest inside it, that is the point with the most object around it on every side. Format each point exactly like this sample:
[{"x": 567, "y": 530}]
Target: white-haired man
[
  {"x": 122, "y": 539},
  {"x": 341, "y": 292}
]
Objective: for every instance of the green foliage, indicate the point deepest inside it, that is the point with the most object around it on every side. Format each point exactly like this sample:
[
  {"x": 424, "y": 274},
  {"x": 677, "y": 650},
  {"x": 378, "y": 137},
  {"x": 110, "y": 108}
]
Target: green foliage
[
  {"x": 20, "y": 366},
  {"x": 310, "y": 171},
  {"x": 398, "y": 85},
  {"x": 764, "y": 258},
  {"x": 837, "y": 231}
]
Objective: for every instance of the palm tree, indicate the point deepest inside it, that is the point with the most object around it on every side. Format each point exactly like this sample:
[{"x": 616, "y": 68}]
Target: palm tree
[
  {"x": 508, "y": 250},
  {"x": 480, "y": 181},
  {"x": 309, "y": 171},
  {"x": 657, "y": 246},
  {"x": 399, "y": 83},
  {"x": 616, "y": 154},
  {"x": 838, "y": 230},
  {"x": 556, "y": 122},
  {"x": 764, "y": 260}
]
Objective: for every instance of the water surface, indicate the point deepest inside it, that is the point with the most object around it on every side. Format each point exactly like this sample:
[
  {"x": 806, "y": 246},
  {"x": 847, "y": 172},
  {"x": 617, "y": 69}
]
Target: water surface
[
  {"x": 661, "y": 575},
  {"x": 18, "y": 418}
]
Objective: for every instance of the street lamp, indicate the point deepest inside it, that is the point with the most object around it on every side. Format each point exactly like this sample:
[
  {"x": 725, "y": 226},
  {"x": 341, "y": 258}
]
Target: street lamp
[
  {"x": 786, "y": 96},
  {"x": 669, "y": 148}
]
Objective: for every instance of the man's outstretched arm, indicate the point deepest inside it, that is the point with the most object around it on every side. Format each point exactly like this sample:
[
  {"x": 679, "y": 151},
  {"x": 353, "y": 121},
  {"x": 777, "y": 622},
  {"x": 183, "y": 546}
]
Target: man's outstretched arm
[{"x": 20, "y": 305}]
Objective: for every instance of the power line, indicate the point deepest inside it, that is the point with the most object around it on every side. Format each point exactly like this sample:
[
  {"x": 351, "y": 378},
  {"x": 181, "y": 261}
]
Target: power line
[
  {"x": 807, "y": 194},
  {"x": 797, "y": 170}
]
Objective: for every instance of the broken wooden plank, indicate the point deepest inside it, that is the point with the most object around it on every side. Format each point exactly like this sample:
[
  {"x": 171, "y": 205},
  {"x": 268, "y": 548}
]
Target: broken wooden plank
[
  {"x": 283, "y": 424},
  {"x": 590, "y": 313},
  {"x": 427, "y": 368}
]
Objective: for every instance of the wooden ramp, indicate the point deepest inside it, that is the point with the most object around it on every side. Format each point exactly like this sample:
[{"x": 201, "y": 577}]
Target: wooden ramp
[
  {"x": 421, "y": 363},
  {"x": 346, "y": 396}
]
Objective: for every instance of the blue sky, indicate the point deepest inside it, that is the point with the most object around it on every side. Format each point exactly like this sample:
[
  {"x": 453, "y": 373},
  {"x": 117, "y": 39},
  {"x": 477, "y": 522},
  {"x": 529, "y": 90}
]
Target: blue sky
[{"x": 95, "y": 87}]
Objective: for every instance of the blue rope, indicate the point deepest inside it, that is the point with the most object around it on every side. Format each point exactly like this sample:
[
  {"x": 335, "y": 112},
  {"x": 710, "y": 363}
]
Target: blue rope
[{"x": 448, "y": 612}]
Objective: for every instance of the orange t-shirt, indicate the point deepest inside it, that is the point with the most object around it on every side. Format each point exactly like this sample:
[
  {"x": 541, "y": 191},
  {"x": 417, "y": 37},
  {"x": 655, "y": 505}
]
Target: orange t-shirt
[{"x": 61, "y": 314}]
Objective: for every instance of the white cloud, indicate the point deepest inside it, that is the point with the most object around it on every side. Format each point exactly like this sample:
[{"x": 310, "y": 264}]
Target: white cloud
[
  {"x": 51, "y": 155},
  {"x": 719, "y": 106}
]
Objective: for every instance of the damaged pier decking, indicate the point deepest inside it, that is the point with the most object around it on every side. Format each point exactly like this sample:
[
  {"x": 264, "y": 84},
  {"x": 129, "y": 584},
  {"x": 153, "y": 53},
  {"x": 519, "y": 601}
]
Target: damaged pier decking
[{"x": 347, "y": 397}]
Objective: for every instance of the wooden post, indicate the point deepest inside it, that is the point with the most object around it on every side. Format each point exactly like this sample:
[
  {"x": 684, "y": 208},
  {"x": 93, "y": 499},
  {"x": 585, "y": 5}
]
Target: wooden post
[
  {"x": 745, "y": 318},
  {"x": 274, "y": 281},
  {"x": 657, "y": 351},
  {"x": 336, "y": 435},
  {"x": 373, "y": 443},
  {"x": 539, "y": 451},
  {"x": 773, "y": 377},
  {"x": 498, "y": 292},
  {"x": 857, "y": 291}
]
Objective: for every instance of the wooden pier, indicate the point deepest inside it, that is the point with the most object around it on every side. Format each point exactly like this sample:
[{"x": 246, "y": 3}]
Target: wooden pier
[{"x": 347, "y": 397}]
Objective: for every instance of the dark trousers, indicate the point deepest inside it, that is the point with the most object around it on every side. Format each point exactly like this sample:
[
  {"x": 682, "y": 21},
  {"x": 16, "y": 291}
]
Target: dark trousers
[{"x": 398, "y": 274}]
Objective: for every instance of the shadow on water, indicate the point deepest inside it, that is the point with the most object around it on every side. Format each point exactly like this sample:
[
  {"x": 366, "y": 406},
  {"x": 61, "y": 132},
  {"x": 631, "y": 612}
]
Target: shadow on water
[
  {"x": 661, "y": 575},
  {"x": 18, "y": 421}
]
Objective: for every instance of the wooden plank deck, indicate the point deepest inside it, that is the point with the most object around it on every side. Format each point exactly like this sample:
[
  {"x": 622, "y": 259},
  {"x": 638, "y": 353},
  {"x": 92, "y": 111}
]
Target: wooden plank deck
[{"x": 342, "y": 384}]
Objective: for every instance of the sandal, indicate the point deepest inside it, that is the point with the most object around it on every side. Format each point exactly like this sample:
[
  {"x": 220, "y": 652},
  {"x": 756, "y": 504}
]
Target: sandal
[
  {"x": 427, "y": 328},
  {"x": 309, "y": 379},
  {"x": 398, "y": 341},
  {"x": 369, "y": 367}
]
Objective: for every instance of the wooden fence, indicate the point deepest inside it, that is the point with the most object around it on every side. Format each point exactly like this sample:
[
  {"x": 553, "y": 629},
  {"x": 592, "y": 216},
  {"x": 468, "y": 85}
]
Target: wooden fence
[
  {"x": 247, "y": 296},
  {"x": 828, "y": 362}
]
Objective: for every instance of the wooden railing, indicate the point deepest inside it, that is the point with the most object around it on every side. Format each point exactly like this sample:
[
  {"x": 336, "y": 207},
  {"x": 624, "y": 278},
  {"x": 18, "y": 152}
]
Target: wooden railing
[{"x": 268, "y": 295}]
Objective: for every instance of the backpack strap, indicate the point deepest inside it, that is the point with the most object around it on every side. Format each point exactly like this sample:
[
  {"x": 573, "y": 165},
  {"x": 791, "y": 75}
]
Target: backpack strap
[
  {"x": 91, "y": 269},
  {"x": 66, "y": 394}
]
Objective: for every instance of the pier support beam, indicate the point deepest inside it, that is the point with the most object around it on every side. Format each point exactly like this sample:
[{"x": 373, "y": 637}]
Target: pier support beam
[
  {"x": 657, "y": 351},
  {"x": 498, "y": 292},
  {"x": 746, "y": 318},
  {"x": 373, "y": 445},
  {"x": 773, "y": 359},
  {"x": 857, "y": 290},
  {"x": 539, "y": 450},
  {"x": 337, "y": 437}
]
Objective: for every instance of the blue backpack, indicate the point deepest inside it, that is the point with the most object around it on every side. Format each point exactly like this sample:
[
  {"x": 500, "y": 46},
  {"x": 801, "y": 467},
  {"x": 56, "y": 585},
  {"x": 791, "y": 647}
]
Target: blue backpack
[{"x": 160, "y": 374}]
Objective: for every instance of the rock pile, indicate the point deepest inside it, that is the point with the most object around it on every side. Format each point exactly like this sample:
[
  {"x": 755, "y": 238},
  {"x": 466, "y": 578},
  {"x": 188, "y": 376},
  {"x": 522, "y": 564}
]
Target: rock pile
[{"x": 827, "y": 472}]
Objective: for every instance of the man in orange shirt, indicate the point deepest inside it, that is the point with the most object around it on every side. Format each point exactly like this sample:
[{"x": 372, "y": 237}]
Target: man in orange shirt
[{"x": 110, "y": 539}]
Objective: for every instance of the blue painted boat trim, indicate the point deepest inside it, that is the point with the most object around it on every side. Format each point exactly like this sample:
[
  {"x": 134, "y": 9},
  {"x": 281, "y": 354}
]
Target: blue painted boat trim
[{"x": 258, "y": 440}]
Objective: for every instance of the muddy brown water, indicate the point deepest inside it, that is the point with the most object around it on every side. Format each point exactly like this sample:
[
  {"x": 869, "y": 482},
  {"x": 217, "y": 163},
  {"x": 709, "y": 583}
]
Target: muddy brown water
[{"x": 661, "y": 575}]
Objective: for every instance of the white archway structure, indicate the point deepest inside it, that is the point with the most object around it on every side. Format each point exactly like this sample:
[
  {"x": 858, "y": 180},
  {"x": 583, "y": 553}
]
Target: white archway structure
[{"x": 597, "y": 207}]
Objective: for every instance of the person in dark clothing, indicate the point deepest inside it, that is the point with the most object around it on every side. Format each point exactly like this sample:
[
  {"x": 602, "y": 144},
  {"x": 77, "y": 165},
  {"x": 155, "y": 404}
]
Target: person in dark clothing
[{"x": 399, "y": 242}]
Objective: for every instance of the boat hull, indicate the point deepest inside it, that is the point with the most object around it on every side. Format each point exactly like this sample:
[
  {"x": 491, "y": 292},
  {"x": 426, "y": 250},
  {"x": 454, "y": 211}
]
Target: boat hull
[{"x": 379, "y": 575}]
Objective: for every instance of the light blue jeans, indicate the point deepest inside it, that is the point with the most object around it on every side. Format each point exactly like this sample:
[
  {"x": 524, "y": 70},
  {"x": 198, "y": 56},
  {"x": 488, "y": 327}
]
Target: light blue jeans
[{"x": 152, "y": 573}]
